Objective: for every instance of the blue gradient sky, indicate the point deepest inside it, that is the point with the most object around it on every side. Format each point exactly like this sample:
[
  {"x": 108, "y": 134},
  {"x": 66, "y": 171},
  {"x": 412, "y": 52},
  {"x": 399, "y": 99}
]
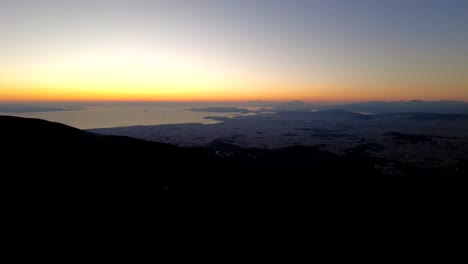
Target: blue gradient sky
[{"x": 330, "y": 50}]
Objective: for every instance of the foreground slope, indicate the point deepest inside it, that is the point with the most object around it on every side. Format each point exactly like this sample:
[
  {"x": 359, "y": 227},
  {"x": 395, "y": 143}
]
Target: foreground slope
[{"x": 67, "y": 183}]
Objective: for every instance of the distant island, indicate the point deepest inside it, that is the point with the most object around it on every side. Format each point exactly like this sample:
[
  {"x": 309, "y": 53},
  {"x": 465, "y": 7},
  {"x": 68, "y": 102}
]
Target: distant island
[{"x": 221, "y": 110}]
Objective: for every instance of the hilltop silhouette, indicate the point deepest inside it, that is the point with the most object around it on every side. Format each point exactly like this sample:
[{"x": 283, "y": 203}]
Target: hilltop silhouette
[{"x": 66, "y": 183}]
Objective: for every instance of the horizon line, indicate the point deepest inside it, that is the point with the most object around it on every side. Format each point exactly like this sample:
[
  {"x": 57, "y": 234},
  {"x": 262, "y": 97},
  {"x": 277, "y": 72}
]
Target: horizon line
[{"x": 223, "y": 101}]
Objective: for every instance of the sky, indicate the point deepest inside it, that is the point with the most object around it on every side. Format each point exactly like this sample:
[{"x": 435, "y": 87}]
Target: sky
[{"x": 226, "y": 50}]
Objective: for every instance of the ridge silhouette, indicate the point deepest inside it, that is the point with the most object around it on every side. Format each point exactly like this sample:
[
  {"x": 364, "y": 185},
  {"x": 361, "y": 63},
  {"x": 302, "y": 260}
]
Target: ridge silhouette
[{"x": 64, "y": 183}]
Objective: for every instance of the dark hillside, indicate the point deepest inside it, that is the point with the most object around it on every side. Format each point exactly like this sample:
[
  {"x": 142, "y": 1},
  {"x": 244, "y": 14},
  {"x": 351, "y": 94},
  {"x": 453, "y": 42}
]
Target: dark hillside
[{"x": 61, "y": 182}]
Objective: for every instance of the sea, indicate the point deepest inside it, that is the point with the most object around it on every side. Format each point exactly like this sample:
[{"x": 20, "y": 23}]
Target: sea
[{"x": 124, "y": 116}]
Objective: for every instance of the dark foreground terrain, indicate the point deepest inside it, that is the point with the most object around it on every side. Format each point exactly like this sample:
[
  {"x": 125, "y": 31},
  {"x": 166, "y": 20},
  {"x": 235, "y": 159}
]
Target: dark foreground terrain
[{"x": 64, "y": 184}]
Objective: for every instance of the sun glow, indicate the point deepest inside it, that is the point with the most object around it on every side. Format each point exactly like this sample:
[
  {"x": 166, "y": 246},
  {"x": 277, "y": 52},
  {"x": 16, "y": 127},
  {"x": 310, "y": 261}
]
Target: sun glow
[
  {"x": 231, "y": 50},
  {"x": 162, "y": 73},
  {"x": 130, "y": 74}
]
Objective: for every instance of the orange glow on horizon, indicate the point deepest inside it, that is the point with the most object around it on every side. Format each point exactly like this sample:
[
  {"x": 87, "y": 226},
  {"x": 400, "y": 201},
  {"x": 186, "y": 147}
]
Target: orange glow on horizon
[
  {"x": 208, "y": 52},
  {"x": 276, "y": 94},
  {"x": 169, "y": 74}
]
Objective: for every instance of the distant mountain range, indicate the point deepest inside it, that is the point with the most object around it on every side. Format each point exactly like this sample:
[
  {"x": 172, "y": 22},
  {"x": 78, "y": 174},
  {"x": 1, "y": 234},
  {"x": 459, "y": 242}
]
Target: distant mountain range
[
  {"x": 30, "y": 108},
  {"x": 408, "y": 106},
  {"x": 442, "y": 107},
  {"x": 375, "y": 106}
]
